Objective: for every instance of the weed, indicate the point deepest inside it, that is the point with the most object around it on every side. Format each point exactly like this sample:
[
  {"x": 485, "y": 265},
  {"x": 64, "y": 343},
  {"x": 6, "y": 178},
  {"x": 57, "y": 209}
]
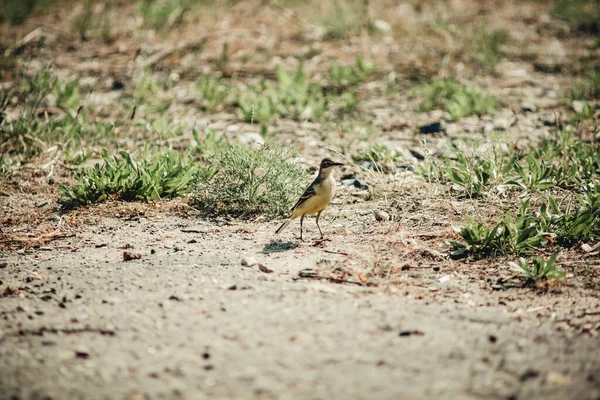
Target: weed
[
  {"x": 345, "y": 104},
  {"x": 487, "y": 46},
  {"x": 209, "y": 145},
  {"x": 459, "y": 100},
  {"x": 530, "y": 230},
  {"x": 473, "y": 175},
  {"x": 211, "y": 93},
  {"x": 247, "y": 182},
  {"x": 341, "y": 77},
  {"x": 83, "y": 20},
  {"x": 541, "y": 269},
  {"x": 161, "y": 175},
  {"x": 377, "y": 153},
  {"x": 292, "y": 96},
  {"x": 341, "y": 19},
  {"x": 519, "y": 235},
  {"x": 536, "y": 174},
  {"x": 584, "y": 15},
  {"x": 589, "y": 88},
  {"x": 163, "y": 15},
  {"x": 17, "y": 11},
  {"x": 577, "y": 223}
]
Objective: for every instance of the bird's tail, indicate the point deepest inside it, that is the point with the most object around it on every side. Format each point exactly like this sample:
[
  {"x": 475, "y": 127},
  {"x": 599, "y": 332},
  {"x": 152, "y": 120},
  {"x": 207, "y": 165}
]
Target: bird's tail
[{"x": 283, "y": 226}]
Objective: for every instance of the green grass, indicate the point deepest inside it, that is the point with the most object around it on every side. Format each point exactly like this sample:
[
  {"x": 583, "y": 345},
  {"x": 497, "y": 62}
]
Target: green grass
[
  {"x": 161, "y": 175},
  {"x": 247, "y": 182},
  {"x": 457, "y": 99}
]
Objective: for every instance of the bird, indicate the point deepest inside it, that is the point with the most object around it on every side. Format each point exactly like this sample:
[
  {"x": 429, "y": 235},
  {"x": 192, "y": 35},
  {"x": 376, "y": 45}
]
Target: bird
[{"x": 316, "y": 197}]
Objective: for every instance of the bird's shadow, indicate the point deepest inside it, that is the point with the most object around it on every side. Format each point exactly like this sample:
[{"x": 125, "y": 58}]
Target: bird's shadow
[{"x": 277, "y": 246}]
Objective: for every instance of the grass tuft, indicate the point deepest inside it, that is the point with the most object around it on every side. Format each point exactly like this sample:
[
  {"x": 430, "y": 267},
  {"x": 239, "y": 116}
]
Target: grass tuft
[{"x": 248, "y": 182}]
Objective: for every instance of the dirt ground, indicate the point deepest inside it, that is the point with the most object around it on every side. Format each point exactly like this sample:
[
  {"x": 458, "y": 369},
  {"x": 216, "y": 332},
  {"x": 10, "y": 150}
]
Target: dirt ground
[
  {"x": 187, "y": 320},
  {"x": 377, "y": 310}
]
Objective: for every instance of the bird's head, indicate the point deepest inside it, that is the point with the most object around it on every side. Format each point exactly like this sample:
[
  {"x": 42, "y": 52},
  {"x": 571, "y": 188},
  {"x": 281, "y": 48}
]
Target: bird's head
[{"x": 327, "y": 165}]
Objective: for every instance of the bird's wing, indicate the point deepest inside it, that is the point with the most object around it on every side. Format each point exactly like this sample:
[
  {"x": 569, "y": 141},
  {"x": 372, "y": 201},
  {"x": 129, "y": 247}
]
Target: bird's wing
[{"x": 308, "y": 193}]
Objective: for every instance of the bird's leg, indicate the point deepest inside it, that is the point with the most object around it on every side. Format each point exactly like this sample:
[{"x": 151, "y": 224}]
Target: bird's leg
[
  {"x": 318, "y": 215},
  {"x": 301, "y": 219}
]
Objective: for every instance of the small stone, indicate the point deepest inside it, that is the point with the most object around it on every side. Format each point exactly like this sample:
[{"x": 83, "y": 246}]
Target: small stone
[
  {"x": 556, "y": 378},
  {"x": 502, "y": 124},
  {"x": 128, "y": 256},
  {"x": 354, "y": 183},
  {"x": 578, "y": 106},
  {"x": 434, "y": 127},
  {"x": 528, "y": 107},
  {"x": 382, "y": 26},
  {"x": 48, "y": 342},
  {"x": 252, "y": 138},
  {"x": 82, "y": 353},
  {"x": 529, "y": 374},
  {"x": 585, "y": 247},
  {"x": 249, "y": 261},
  {"x": 381, "y": 216},
  {"x": 41, "y": 203}
]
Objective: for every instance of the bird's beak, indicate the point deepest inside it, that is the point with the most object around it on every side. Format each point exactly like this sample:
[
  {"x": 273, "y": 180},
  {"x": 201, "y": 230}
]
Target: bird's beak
[{"x": 337, "y": 164}]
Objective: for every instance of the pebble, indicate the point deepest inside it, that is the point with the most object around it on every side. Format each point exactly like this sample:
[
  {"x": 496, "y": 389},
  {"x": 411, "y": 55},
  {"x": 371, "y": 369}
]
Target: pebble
[
  {"x": 434, "y": 127},
  {"x": 354, "y": 183},
  {"x": 528, "y": 107},
  {"x": 252, "y": 138},
  {"x": 585, "y": 247},
  {"x": 249, "y": 261},
  {"x": 381, "y": 215},
  {"x": 382, "y": 26}
]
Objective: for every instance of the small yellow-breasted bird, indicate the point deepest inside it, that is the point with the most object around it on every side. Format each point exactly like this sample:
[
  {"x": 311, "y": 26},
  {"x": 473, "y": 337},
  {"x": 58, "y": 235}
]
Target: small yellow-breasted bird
[{"x": 316, "y": 197}]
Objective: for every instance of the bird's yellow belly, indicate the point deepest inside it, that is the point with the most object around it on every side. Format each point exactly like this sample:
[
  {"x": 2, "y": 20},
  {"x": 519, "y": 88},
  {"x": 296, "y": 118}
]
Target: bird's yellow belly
[{"x": 312, "y": 206}]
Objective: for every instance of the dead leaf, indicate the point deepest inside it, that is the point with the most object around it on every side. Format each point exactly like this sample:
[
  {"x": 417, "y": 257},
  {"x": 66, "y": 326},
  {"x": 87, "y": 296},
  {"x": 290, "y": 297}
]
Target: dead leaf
[{"x": 265, "y": 269}]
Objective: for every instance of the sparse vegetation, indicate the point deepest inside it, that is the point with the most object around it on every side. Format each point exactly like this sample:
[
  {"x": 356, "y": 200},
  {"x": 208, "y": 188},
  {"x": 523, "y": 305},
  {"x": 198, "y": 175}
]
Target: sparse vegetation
[
  {"x": 589, "y": 87},
  {"x": 293, "y": 96},
  {"x": 211, "y": 93},
  {"x": 583, "y": 15},
  {"x": 457, "y": 99},
  {"x": 341, "y": 76},
  {"x": 488, "y": 52},
  {"x": 377, "y": 153}
]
